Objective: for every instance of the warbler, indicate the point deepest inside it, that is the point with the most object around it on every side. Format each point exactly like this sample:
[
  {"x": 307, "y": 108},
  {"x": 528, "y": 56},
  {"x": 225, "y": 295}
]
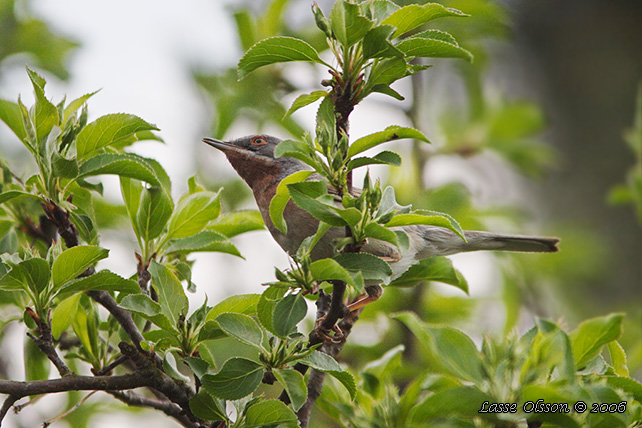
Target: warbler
[{"x": 253, "y": 159}]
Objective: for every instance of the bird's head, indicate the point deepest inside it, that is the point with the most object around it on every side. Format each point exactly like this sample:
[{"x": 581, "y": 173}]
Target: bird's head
[{"x": 253, "y": 158}]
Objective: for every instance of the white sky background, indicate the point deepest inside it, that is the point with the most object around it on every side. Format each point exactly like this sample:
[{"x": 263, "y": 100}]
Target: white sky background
[{"x": 139, "y": 53}]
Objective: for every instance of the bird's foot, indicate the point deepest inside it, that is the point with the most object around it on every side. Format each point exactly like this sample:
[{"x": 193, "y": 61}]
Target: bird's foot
[
  {"x": 373, "y": 293},
  {"x": 324, "y": 333}
]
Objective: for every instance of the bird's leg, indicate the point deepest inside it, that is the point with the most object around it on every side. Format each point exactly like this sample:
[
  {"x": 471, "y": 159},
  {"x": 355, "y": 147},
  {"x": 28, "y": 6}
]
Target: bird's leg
[{"x": 373, "y": 293}]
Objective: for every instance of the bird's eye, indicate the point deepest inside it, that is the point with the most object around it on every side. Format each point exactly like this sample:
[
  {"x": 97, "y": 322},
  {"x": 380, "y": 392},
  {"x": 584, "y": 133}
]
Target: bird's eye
[{"x": 259, "y": 141}]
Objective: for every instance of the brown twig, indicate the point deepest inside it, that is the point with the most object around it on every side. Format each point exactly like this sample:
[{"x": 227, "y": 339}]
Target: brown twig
[
  {"x": 170, "y": 409},
  {"x": 44, "y": 341}
]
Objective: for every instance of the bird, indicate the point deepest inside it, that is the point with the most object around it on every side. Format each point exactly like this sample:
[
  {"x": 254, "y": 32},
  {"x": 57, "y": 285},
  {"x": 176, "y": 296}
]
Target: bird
[{"x": 253, "y": 159}]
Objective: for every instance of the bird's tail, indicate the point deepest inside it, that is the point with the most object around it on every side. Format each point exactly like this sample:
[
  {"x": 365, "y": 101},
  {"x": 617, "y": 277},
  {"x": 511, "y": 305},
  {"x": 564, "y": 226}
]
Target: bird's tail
[{"x": 500, "y": 242}]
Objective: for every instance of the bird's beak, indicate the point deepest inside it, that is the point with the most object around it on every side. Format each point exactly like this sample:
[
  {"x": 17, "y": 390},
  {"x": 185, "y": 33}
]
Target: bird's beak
[{"x": 224, "y": 146}]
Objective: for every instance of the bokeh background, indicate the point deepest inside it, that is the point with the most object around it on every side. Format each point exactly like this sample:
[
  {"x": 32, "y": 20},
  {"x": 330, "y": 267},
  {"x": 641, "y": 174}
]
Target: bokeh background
[{"x": 530, "y": 139}]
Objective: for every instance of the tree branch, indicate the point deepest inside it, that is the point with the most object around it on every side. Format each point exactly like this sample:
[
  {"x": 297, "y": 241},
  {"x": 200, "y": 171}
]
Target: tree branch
[
  {"x": 170, "y": 409},
  {"x": 19, "y": 389}
]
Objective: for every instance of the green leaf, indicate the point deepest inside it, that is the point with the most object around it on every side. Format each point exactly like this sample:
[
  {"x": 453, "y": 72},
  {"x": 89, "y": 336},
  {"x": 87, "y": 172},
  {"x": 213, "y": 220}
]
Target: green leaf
[
  {"x": 312, "y": 196},
  {"x": 438, "y": 269},
  {"x": 240, "y": 303},
  {"x": 169, "y": 367},
  {"x": 412, "y": 16},
  {"x": 63, "y": 314},
  {"x": 383, "y": 158},
  {"x": 384, "y": 73},
  {"x": 10, "y": 194},
  {"x": 73, "y": 106},
  {"x": 131, "y": 191},
  {"x": 591, "y": 335},
  {"x": 304, "y": 100},
  {"x": 626, "y": 384},
  {"x": 237, "y": 378},
  {"x": 347, "y": 25},
  {"x": 378, "y": 10},
  {"x": 171, "y": 295},
  {"x": 107, "y": 130},
  {"x": 287, "y": 314},
  {"x": 389, "y": 134},
  {"x": 432, "y": 48},
  {"x": 205, "y": 241},
  {"x": 270, "y": 412},
  {"x": 325, "y": 363},
  {"x": 462, "y": 402},
  {"x": 371, "y": 267},
  {"x": 296, "y": 149},
  {"x": 10, "y": 114},
  {"x": 276, "y": 49},
  {"x": 45, "y": 114},
  {"x": 294, "y": 384},
  {"x": 74, "y": 261},
  {"x": 31, "y": 274},
  {"x": 143, "y": 305},
  {"x": 122, "y": 164},
  {"x": 618, "y": 358},
  {"x": 431, "y": 218},
  {"x": 104, "y": 280},
  {"x": 266, "y": 304},
  {"x": 154, "y": 210},
  {"x": 194, "y": 213},
  {"x": 282, "y": 197},
  {"x": 242, "y": 327},
  {"x": 376, "y": 43},
  {"x": 329, "y": 269},
  {"x": 63, "y": 167},
  {"x": 206, "y": 407},
  {"x": 551, "y": 394},
  {"x": 237, "y": 222},
  {"x": 455, "y": 352}
]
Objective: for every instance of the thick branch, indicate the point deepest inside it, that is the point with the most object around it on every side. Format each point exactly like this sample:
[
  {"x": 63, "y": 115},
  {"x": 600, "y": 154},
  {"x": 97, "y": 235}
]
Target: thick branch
[{"x": 19, "y": 389}]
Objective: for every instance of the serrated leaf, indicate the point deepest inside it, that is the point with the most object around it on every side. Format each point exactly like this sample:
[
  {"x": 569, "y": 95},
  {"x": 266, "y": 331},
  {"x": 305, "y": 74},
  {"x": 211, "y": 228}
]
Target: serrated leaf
[
  {"x": 294, "y": 384},
  {"x": 297, "y": 150},
  {"x": 193, "y": 213},
  {"x": 371, "y": 267},
  {"x": 618, "y": 359},
  {"x": 237, "y": 222},
  {"x": 325, "y": 363},
  {"x": 391, "y": 133},
  {"x": 11, "y": 194},
  {"x": 386, "y": 72},
  {"x": 206, "y": 407},
  {"x": 107, "y": 130},
  {"x": 171, "y": 295},
  {"x": 242, "y": 327},
  {"x": 237, "y": 378},
  {"x": 74, "y": 105},
  {"x": 270, "y": 412},
  {"x": 429, "y": 218},
  {"x": 312, "y": 196},
  {"x": 282, "y": 197},
  {"x": 45, "y": 114},
  {"x": 63, "y": 314},
  {"x": 131, "y": 191},
  {"x": 265, "y": 306},
  {"x": 432, "y": 48},
  {"x": 169, "y": 367},
  {"x": 121, "y": 164},
  {"x": 104, "y": 280},
  {"x": 143, "y": 305},
  {"x": 205, "y": 241},
  {"x": 74, "y": 261},
  {"x": 383, "y": 158},
  {"x": 438, "y": 269},
  {"x": 274, "y": 50},
  {"x": 463, "y": 401},
  {"x": 287, "y": 314},
  {"x": 240, "y": 303},
  {"x": 376, "y": 43},
  {"x": 154, "y": 210},
  {"x": 63, "y": 167},
  {"x": 591, "y": 335},
  {"x": 11, "y": 116},
  {"x": 454, "y": 351},
  {"x": 348, "y": 26},
  {"x": 304, "y": 100},
  {"x": 329, "y": 269},
  {"x": 412, "y": 16}
]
